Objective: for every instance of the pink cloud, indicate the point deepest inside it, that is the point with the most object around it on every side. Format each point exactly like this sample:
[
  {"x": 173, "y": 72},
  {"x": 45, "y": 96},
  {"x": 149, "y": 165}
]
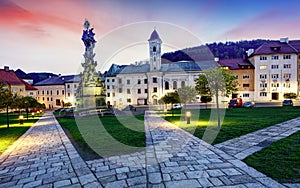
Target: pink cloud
[{"x": 270, "y": 25}]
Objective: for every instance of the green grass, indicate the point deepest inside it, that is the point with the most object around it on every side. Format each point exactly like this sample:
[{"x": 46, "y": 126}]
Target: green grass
[
  {"x": 15, "y": 130},
  {"x": 237, "y": 122},
  {"x": 107, "y": 136},
  {"x": 280, "y": 160}
]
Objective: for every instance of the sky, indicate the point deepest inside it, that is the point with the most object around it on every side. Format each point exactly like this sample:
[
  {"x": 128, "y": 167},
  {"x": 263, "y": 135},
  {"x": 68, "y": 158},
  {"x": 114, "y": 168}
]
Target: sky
[{"x": 45, "y": 36}]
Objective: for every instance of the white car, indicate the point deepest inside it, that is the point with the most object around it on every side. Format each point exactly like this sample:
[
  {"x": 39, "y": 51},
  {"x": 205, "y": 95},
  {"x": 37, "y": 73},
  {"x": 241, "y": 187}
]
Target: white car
[{"x": 176, "y": 106}]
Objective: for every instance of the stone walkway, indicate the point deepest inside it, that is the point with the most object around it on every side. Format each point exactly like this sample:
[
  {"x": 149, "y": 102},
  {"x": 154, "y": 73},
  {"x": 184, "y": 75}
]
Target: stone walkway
[
  {"x": 248, "y": 144},
  {"x": 44, "y": 157}
]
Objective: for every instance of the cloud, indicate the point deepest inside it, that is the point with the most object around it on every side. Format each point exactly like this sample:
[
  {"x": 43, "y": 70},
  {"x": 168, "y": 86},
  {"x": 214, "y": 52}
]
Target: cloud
[{"x": 272, "y": 24}]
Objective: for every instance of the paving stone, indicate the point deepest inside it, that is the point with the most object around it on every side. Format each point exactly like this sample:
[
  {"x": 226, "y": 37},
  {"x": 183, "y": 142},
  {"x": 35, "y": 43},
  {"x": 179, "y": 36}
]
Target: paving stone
[
  {"x": 215, "y": 173},
  {"x": 33, "y": 184},
  {"x": 154, "y": 178},
  {"x": 116, "y": 184},
  {"x": 194, "y": 174},
  {"x": 86, "y": 179},
  {"x": 269, "y": 182},
  {"x": 231, "y": 171},
  {"x": 62, "y": 183},
  {"x": 136, "y": 180},
  {"x": 183, "y": 183}
]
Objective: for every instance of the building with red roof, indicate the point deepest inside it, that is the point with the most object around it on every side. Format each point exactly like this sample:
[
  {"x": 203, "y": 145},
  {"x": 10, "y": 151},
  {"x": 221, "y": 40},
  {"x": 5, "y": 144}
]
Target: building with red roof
[{"x": 14, "y": 84}]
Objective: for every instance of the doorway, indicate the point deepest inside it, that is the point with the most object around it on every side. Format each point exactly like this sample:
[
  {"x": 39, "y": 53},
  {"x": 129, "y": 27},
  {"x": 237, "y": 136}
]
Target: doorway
[{"x": 275, "y": 96}]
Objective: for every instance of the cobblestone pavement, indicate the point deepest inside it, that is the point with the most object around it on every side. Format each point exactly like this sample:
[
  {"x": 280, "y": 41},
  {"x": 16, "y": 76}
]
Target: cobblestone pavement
[
  {"x": 44, "y": 157},
  {"x": 248, "y": 144},
  {"x": 175, "y": 158}
]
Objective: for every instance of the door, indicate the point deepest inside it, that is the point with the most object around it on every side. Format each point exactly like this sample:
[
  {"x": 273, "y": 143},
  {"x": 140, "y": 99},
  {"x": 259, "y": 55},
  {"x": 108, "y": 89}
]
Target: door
[{"x": 275, "y": 96}]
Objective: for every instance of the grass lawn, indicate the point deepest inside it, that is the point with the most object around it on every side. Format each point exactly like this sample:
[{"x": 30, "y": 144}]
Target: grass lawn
[
  {"x": 15, "y": 130},
  {"x": 280, "y": 160},
  {"x": 108, "y": 136},
  {"x": 237, "y": 122}
]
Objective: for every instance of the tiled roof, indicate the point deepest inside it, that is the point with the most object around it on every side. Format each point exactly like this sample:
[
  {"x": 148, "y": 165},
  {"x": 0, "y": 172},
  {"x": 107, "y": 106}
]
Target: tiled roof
[
  {"x": 114, "y": 70},
  {"x": 71, "y": 78},
  {"x": 55, "y": 80},
  {"x": 28, "y": 87},
  {"x": 154, "y": 36},
  {"x": 235, "y": 63},
  {"x": 9, "y": 77},
  {"x": 170, "y": 67},
  {"x": 275, "y": 47}
]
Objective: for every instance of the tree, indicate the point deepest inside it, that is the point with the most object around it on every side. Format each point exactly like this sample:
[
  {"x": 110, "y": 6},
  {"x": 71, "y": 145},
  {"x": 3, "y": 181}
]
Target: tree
[
  {"x": 205, "y": 99},
  {"x": 5, "y": 100},
  {"x": 186, "y": 94},
  {"x": 216, "y": 82},
  {"x": 171, "y": 98},
  {"x": 290, "y": 95}
]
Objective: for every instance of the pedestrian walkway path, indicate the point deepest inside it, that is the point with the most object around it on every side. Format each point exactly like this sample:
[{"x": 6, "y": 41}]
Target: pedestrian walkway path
[
  {"x": 44, "y": 157},
  {"x": 175, "y": 158},
  {"x": 248, "y": 144}
]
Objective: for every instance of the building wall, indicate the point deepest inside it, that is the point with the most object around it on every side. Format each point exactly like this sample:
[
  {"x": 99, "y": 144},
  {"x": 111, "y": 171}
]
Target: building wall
[
  {"x": 51, "y": 95},
  {"x": 271, "y": 80},
  {"x": 246, "y": 83},
  {"x": 70, "y": 92},
  {"x": 18, "y": 89}
]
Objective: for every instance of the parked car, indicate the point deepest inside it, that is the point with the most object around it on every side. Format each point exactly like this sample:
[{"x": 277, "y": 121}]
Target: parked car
[
  {"x": 287, "y": 102},
  {"x": 248, "y": 104},
  {"x": 177, "y": 106},
  {"x": 235, "y": 102}
]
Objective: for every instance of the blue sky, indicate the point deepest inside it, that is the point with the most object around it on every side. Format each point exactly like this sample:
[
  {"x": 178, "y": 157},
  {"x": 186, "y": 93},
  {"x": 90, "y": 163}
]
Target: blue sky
[{"x": 45, "y": 35}]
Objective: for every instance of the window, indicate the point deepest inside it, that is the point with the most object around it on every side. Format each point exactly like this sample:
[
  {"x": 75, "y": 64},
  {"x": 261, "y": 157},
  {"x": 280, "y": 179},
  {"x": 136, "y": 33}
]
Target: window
[
  {"x": 21, "y": 90},
  {"x": 246, "y": 76},
  {"x": 154, "y": 58},
  {"x": 182, "y": 84},
  {"x": 113, "y": 80},
  {"x": 275, "y": 85},
  {"x": 139, "y": 91},
  {"x": 154, "y": 80},
  {"x": 154, "y": 89},
  {"x": 31, "y": 93},
  {"x": 286, "y": 66},
  {"x": 139, "y": 81},
  {"x": 287, "y": 76},
  {"x": 275, "y": 76},
  {"x": 263, "y": 76},
  {"x": 145, "y": 81},
  {"x": 75, "y": 86},
  {"x": 274, "y": 57},
  {"x": 246, "y": 95},
  {"x": 263, "y": 94},
  {"x": 47, "y": 98},
  {"x": 120, "y": 90},
  {"x": 63, "y": 92},
  {"x": 154, "y": 48},
  {"x": 262, "y": 67},
  {"x": 43, "y": 92},
  {"x": 113, "y": 94},
  {"x": 47, "y": 92},
  {"x": 69, "y": 94},
  {"x": 107, "y": 87},
  {"x": 263, "y": 58},
  {"x": 128, "y": 82},
  {"x": 107, "y": 80},
  {"x": 246, "y": 85},
  {"x": 128, "y": 91},
  {"x": 146, "y": 90},
  {"x": 51, "y": 92},
  {"x": 108, "y": 94},
  {"x": 43, "y": 98},
  {"x": 51, "y": 99},
  {"x": 129, "y": 100},
  {"x": 68, "y": 86},
  {"x": 120, "y": 81},
  {"x": 274, "y": 66},
  {"x": 263, "y": 85},
  {"x": 38, "y": 92},
  {"x": 57, "y": 102},
  {"x": 286, "y": 56},
  {"x": 174, "y": 85},
  {"x": 57, "y": 92},
  {"x": 286, "y": 85},
  {"x": 113, "y": 87},
  {"x": 166, "y": 85}
]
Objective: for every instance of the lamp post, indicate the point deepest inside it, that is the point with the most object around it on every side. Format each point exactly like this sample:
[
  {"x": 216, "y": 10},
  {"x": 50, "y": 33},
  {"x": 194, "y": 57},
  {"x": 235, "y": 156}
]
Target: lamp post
[
  {"x": 32, "y": 114},
  {"x": 26, "y": 103},
  {"x": 188, "y": 115},
  {"x": 165, "y": 112}
]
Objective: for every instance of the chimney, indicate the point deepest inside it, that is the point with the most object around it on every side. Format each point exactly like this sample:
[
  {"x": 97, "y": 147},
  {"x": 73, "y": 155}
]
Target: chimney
[
  {"x": 284, "y": 40},
  {"x": 6, "y": 68}
]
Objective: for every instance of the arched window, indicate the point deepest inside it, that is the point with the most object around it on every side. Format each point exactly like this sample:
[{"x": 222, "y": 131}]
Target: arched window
[
  {"x": 154, "y": 48},
  {"x": 166, "y": 85},
  {"x": 154, "y": 58},
  {"x": 174, "y": 85},
  {"x": 182, "y": 84}
]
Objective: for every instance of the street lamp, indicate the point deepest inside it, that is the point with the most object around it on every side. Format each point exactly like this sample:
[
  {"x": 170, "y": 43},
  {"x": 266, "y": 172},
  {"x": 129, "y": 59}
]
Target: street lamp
[
  {"x": 32, "y": 114},
  {"x": 26, "y": 103},
  {"x": 21, "y": 119},
  {"x": 188, "y": 115}
]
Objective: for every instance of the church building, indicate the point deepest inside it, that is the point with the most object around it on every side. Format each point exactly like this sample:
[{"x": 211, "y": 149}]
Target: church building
[{"x": 146, "y": 82}]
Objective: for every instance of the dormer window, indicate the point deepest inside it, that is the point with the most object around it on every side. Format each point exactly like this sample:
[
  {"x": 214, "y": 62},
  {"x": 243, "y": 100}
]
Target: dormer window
[{"x": 275, "y": 48}]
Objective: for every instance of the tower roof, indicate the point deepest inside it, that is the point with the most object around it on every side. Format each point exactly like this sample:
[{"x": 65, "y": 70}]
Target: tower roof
[{"x": 154, "y": 36}]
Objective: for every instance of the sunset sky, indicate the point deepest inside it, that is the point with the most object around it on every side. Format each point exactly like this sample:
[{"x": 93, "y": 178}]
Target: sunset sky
[{"x": 45, "y": 36}]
